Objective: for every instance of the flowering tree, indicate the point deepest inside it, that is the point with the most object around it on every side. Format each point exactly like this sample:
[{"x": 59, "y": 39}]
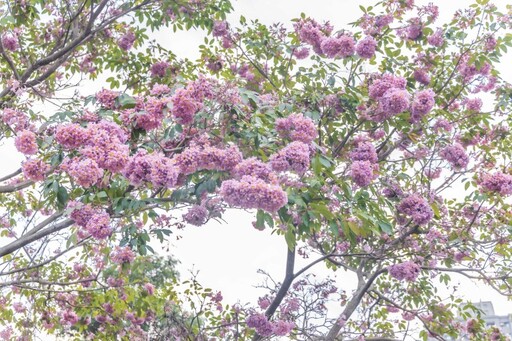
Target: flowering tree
[{"x": 381, "y": 150}]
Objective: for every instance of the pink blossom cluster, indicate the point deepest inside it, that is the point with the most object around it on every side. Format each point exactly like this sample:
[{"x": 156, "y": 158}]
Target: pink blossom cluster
[
  {"x": 301, "y": 53},
  {"x": 220, "y": 28},
  {"x": 294, "y": 157},
  {"x": 417, "y": 208},
  {"x": 159, "y": 69},
  {"x": 10, "y": 42},
  {"x": 94, "y": 220},
  {"x": 266, "y": 328},
  {"x": 17, "y": 120},
  {"x": 473, "y": 104},
  {"x": 421, "y": 76},
  {"x": 456, "y": 155},
  {"x": 391, "y": 96},
  {"x": 251, "y": 192},
  {"x": 35, "y": 169},
  {"x": 436, "y": 39},
  {"x": 374, "y": 24},
  {"x": 342, "y": 46},
  {"x": 105, "y": 144},
  {"x": 297, "y": 128},
  {"x": 312, "y": 33},
  {"x": 126, "y": 41},
  {"x": 84, "y": 171},
  {"x": 253, "y": 167},
  {"x": 366, "y": 47},
  {"x": 364, "y": 167},
  {"x": 26, "y": 143},
  {"x": 414, "y": 31},
  {"x": 363, "y": 151},
  {"x": 196, "y": 158},
  {"x": 70, "y": 135},
  {"x": 421, "y": 105},
  {"x": 363, "y": 172},
  {"x": 407, "y": 271},
  {"x": 185, "y": 105},
  {"x": 196, "y": 215},
  {"x": 155, "y": 168},
  {"x": 468, "y": 70},
  {"x": 498, "y": 182},
  {"x": 442, "y": 124},
  {"x": 152, "y": 114},
  {"x": 107, "y": 98},
  {"x": 122, "y": 255}
]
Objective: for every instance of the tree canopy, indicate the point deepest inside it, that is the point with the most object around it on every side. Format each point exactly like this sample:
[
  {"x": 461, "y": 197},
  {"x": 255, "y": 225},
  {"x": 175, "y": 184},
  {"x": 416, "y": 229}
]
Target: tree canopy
[{"x": 380, "y": 148}]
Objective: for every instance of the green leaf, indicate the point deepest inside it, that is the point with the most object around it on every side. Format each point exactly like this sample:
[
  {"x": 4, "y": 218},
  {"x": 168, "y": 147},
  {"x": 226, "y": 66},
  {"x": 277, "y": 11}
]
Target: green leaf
[{"x": 126, "y": 102}]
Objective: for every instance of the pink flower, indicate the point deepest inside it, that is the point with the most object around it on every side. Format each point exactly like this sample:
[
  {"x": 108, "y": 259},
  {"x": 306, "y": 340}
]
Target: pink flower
[
  {"x": 455, "y": 155},
  {"x": 184, "y": 106},
  {"x": 498, "y": 182},
  {"x": 159, "y": 69},
  {"x": 220, "y": 28},
  {"x": 98, "y": 225},
  {"x": 251, "y": 192},
  {"x": 150, "y": 288},
  {"x": 297, "y": 128},
  {"x": 394, "y": 101},
  {"x": 35, "y": 169},
  {"x": 253, "y": 167},
  {"x": 422, "y": 103},
  {"x": 197, "y": 215},
  {"x": 122, "y": 255},
  {"x": 10, "y": 42},
  {"x": 26, "y": 143},
  {"x": 364, "y": 151},
  {"x": 363, "y": 172},
  {"x": 407, "y": 271},
  {"x": 417, "y": 208},
  {"x": 294, "y": 157},
  {"x": 301, "y": 53},
  {"x": 282, "y": 328},
  {"x": 260, "y": 323},
  {"x": 437, "y": 38},
  {"x": 197, "y": 158},
  {"x": 107, "y": 98},
  {"x": 473, "y": 104},
  {"x": 421, "y": 76},
  {"x": 70, "y": 136},
  {"x": 126, "y": 41},
  {"x": 83, "y": 170},
  {"x": 366, "y": 47}
]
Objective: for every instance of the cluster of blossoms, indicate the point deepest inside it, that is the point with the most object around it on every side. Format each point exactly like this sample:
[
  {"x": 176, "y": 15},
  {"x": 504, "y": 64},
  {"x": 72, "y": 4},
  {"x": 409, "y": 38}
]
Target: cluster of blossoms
[
  {"x": 102, "y": 146},
  {"x": 266, "y": 328},
  {"x": 95, "y": 221},
  {"x": 339, "y": 46},
  {"x": 391, "y": 96},
  {"x": 205, "y": 157},
  {"x": 126, "y": 41},
  {"x": 417, "y": 208},
  {"x": 254, "y": 167},
  {"x": 196, "y": 215},
  {"x": 10, "y": 42},
  {"x": 473, "y": 104},
  {"x": 35, "y": 169},
  {"x": 421, "y": 105},
  {"x": 151, "y": 113},
  {"x": 421, "y": 76},
  {"x": 364, "y": 163},
  {"x": 159, "y": 69},
  {"x": 408, "y": 271},
  {"x": 70, "y": 135},
  {"x": 468, "y": 70},
  {"x": 122, "y": 255},
  {"x": 436, "y": 39},
  {"x": 26, "y": 143},
  {"x": 154, "y": 168},
  {"x": 498, "y": 182},
  {"x": 107, "y": 98},
  {"x": 16, "y": 119},
  {"x": 84, "y": 171},
  {"x": 251, "y": 192},
  {"x": 294, "y": 157},
  {"x": 455, "y": 155},
  {"x": 297, "y": 128}
]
